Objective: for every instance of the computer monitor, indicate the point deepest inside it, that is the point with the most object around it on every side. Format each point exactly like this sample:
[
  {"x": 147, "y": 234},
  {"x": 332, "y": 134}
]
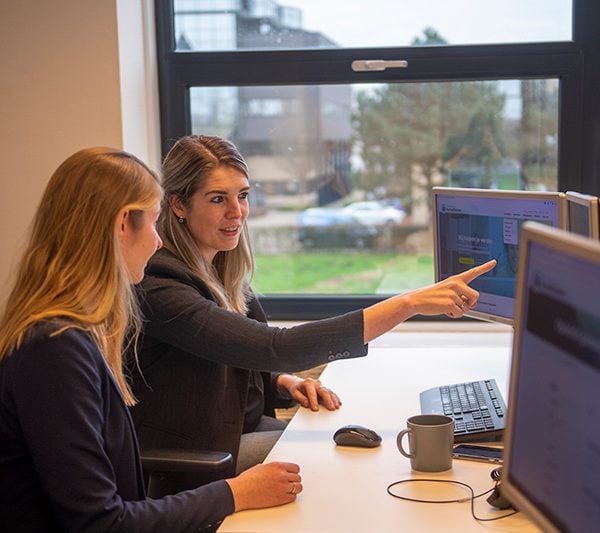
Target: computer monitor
[
  {"x": 582, "y": 214},
  {"x": 551, "y": 468},
  {"x": 472, "y": 226}
]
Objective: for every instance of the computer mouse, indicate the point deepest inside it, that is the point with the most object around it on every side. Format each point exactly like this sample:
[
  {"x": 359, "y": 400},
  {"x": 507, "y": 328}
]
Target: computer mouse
[{"x": 354, "y": 435}]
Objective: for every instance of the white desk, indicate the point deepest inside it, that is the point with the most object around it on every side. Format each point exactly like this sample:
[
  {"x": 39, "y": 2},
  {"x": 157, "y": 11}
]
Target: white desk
[{"x": 345, "y": 488}]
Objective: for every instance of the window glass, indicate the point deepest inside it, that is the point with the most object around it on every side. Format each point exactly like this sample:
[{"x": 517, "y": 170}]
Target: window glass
[
  {"x": 206, "y": 31},
  {"x": 217, "y": 106},
  {"x": 267, "y": 24},
  {"x": 341, "y": 174}
]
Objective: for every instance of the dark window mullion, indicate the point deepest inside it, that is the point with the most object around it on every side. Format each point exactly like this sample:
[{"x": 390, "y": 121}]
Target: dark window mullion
[
  {"x": 570, "y": 130},
  {"x": 586, "y": 21},
  {"x": 239, "y": 68}
]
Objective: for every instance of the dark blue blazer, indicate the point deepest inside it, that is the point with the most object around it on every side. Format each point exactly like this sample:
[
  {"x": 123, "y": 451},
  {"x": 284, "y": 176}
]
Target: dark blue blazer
[{"x": 69, "y": 456}]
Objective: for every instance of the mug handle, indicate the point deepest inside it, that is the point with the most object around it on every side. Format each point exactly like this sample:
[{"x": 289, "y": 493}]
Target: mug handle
[{"x": 399, "y": 443}]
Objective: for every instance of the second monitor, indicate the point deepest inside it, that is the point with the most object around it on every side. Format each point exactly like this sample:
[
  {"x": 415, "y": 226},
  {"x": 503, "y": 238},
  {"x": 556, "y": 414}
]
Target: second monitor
[
  {"x": 472, "y": 226},
  {"x": 582, "y": 214}
]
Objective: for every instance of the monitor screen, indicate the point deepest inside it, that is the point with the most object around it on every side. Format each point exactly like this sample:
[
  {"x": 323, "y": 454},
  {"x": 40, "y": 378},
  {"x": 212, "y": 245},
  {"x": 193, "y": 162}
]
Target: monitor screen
[
  {"x": 472, "y": 226},
  {"x": 552, "y": 441},
  {"x": 582, "y": 214}
]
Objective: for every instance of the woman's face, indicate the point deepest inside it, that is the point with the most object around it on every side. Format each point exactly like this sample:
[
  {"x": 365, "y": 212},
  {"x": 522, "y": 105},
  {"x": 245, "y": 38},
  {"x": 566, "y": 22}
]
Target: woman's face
[
  {"x": 217, "y": 211},
  {"x": 139, "y": 240}
]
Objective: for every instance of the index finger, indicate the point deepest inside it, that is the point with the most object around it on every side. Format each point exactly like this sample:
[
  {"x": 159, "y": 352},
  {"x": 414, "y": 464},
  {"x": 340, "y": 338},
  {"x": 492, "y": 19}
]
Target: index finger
[
  {"x": 469, "y": 275},
  {"x": 311, "y": 393},
  {"x": 328, "y": 399}
]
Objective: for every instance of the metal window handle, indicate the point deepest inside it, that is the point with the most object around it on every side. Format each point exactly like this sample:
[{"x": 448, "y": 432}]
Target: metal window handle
[{"x": 368, "y": 65}]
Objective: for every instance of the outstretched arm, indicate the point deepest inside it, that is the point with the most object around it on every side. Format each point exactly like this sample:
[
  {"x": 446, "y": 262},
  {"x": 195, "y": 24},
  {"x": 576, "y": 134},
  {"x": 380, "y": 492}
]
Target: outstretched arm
[{"x": 452, "y": 297}]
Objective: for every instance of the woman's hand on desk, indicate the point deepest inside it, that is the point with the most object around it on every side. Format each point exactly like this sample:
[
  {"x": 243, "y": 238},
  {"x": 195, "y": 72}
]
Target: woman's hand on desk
[
  {"x": 266, "y": 485},
  {"x": 308, "y": 392}
]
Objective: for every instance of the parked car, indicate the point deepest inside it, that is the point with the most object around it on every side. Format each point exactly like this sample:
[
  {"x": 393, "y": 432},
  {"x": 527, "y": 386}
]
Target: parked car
[
  {"x": 375, "y": 214},
  {"x": 323, "y": 227}
]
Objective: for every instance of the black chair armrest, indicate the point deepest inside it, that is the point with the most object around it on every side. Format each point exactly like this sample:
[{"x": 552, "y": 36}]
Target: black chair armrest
[
  {"x": 173, "y": 470},
  {"x": 175, "y": 460}
]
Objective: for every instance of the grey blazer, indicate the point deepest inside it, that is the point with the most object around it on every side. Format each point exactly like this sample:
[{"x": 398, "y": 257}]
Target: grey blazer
[{"x": 198, "y": 360}]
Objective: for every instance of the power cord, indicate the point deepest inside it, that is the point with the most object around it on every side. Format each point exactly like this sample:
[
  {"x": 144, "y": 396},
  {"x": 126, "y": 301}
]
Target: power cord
[{"x": 471, "y": 498}]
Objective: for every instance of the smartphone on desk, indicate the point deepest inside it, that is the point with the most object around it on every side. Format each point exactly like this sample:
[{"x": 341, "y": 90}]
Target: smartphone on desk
[{"x": 478, "y": 452}]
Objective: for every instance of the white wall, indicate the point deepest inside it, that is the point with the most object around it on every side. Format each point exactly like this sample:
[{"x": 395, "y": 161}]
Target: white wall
[
  {"x": 139, "y": 79},
  {"x": 61, "y": 90}
]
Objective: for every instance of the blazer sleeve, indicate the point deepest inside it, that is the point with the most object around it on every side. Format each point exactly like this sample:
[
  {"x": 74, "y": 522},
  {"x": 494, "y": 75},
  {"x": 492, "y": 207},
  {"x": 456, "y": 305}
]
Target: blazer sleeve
[
  {"x": 61, "y": 402},
  {"x": 179, "y": 314}
]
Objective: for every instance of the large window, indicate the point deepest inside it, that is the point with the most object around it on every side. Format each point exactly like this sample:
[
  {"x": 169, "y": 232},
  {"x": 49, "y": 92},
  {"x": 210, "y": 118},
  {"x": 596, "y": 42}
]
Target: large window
[{"x": 347, "y": 122}]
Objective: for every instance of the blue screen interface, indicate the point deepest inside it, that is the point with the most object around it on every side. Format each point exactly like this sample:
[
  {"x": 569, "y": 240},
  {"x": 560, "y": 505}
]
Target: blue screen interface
[{"x": 472, "y": 230}]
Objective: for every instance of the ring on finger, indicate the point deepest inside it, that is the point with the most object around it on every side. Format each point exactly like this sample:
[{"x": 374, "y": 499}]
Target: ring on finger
[{"x": 293, "y": 489}]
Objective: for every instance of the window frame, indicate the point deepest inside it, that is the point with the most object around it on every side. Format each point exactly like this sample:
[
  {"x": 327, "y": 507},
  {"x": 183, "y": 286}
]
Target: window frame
[{"x": 575, "y": 63}]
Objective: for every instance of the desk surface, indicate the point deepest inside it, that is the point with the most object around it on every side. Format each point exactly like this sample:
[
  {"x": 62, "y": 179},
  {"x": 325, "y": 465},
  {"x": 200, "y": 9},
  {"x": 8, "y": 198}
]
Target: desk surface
[{"x": 345, "y": 488}]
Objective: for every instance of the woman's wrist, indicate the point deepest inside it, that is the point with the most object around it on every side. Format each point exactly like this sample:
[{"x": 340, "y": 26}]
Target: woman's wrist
[{"x": 284, "y": 383}]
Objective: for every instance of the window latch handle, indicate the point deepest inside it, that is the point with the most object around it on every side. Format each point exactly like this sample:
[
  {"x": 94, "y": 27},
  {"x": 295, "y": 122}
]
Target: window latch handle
[{"x": 369, "y": 65}]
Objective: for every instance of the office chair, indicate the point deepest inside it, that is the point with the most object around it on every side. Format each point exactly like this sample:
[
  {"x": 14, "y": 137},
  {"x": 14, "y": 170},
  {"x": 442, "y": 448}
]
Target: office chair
[{"x": 169, "y": 471}]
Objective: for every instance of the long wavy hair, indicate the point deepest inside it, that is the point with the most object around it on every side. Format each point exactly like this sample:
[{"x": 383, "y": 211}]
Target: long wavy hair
[
  {"x": 73, "y": 270},
  {"x": 185, "y": 170}
]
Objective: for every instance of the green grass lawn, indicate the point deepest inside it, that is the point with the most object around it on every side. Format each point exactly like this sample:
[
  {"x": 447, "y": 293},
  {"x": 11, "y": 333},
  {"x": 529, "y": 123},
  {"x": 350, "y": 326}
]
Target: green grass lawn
[{"x": 341, "y": 273}]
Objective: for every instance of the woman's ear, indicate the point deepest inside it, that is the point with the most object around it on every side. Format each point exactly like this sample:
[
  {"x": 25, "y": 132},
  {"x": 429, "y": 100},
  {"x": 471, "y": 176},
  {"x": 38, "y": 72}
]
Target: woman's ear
[
  {"x": 176, "y": 206},
  {"x": 121, "y": 222}
]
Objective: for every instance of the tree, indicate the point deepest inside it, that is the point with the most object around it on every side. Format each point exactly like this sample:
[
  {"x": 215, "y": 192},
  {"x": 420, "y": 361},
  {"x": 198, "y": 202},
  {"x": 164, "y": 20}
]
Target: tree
[
  {"x": 408, "y": 127},
  {"x": 404, "y": 130},
  {"x": 482, "y": 144},
  {"x": 430, "y": 36},
  {"x": 538, "y": 146}
]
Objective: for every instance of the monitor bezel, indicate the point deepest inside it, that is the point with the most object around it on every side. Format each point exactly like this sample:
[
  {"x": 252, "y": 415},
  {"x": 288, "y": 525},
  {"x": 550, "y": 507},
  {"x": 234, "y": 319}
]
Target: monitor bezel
[
  {"x": 564, "y": 242},
  {"x": 591, "y": 203},
  {"x": 490, "y": 193}
]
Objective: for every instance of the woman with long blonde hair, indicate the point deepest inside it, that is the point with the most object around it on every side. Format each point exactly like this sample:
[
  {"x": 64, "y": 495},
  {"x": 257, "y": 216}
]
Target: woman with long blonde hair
[
  {"x": 68, "y": 449},
  {"x": 212, "y": 367}
]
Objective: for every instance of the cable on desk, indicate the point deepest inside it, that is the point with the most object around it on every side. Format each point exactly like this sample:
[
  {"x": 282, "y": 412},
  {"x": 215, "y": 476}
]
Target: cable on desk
[{"x": 472, "y": 498}]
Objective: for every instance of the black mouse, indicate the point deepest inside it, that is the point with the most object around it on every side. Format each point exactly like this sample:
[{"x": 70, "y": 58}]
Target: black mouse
[{"x": 353, "y": 435}]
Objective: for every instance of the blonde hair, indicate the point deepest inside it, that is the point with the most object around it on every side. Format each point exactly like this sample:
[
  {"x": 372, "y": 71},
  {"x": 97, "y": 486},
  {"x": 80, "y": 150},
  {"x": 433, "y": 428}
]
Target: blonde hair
[
  {"x": 185, "y": 169},
  {"x": 73, "y": 270}
]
